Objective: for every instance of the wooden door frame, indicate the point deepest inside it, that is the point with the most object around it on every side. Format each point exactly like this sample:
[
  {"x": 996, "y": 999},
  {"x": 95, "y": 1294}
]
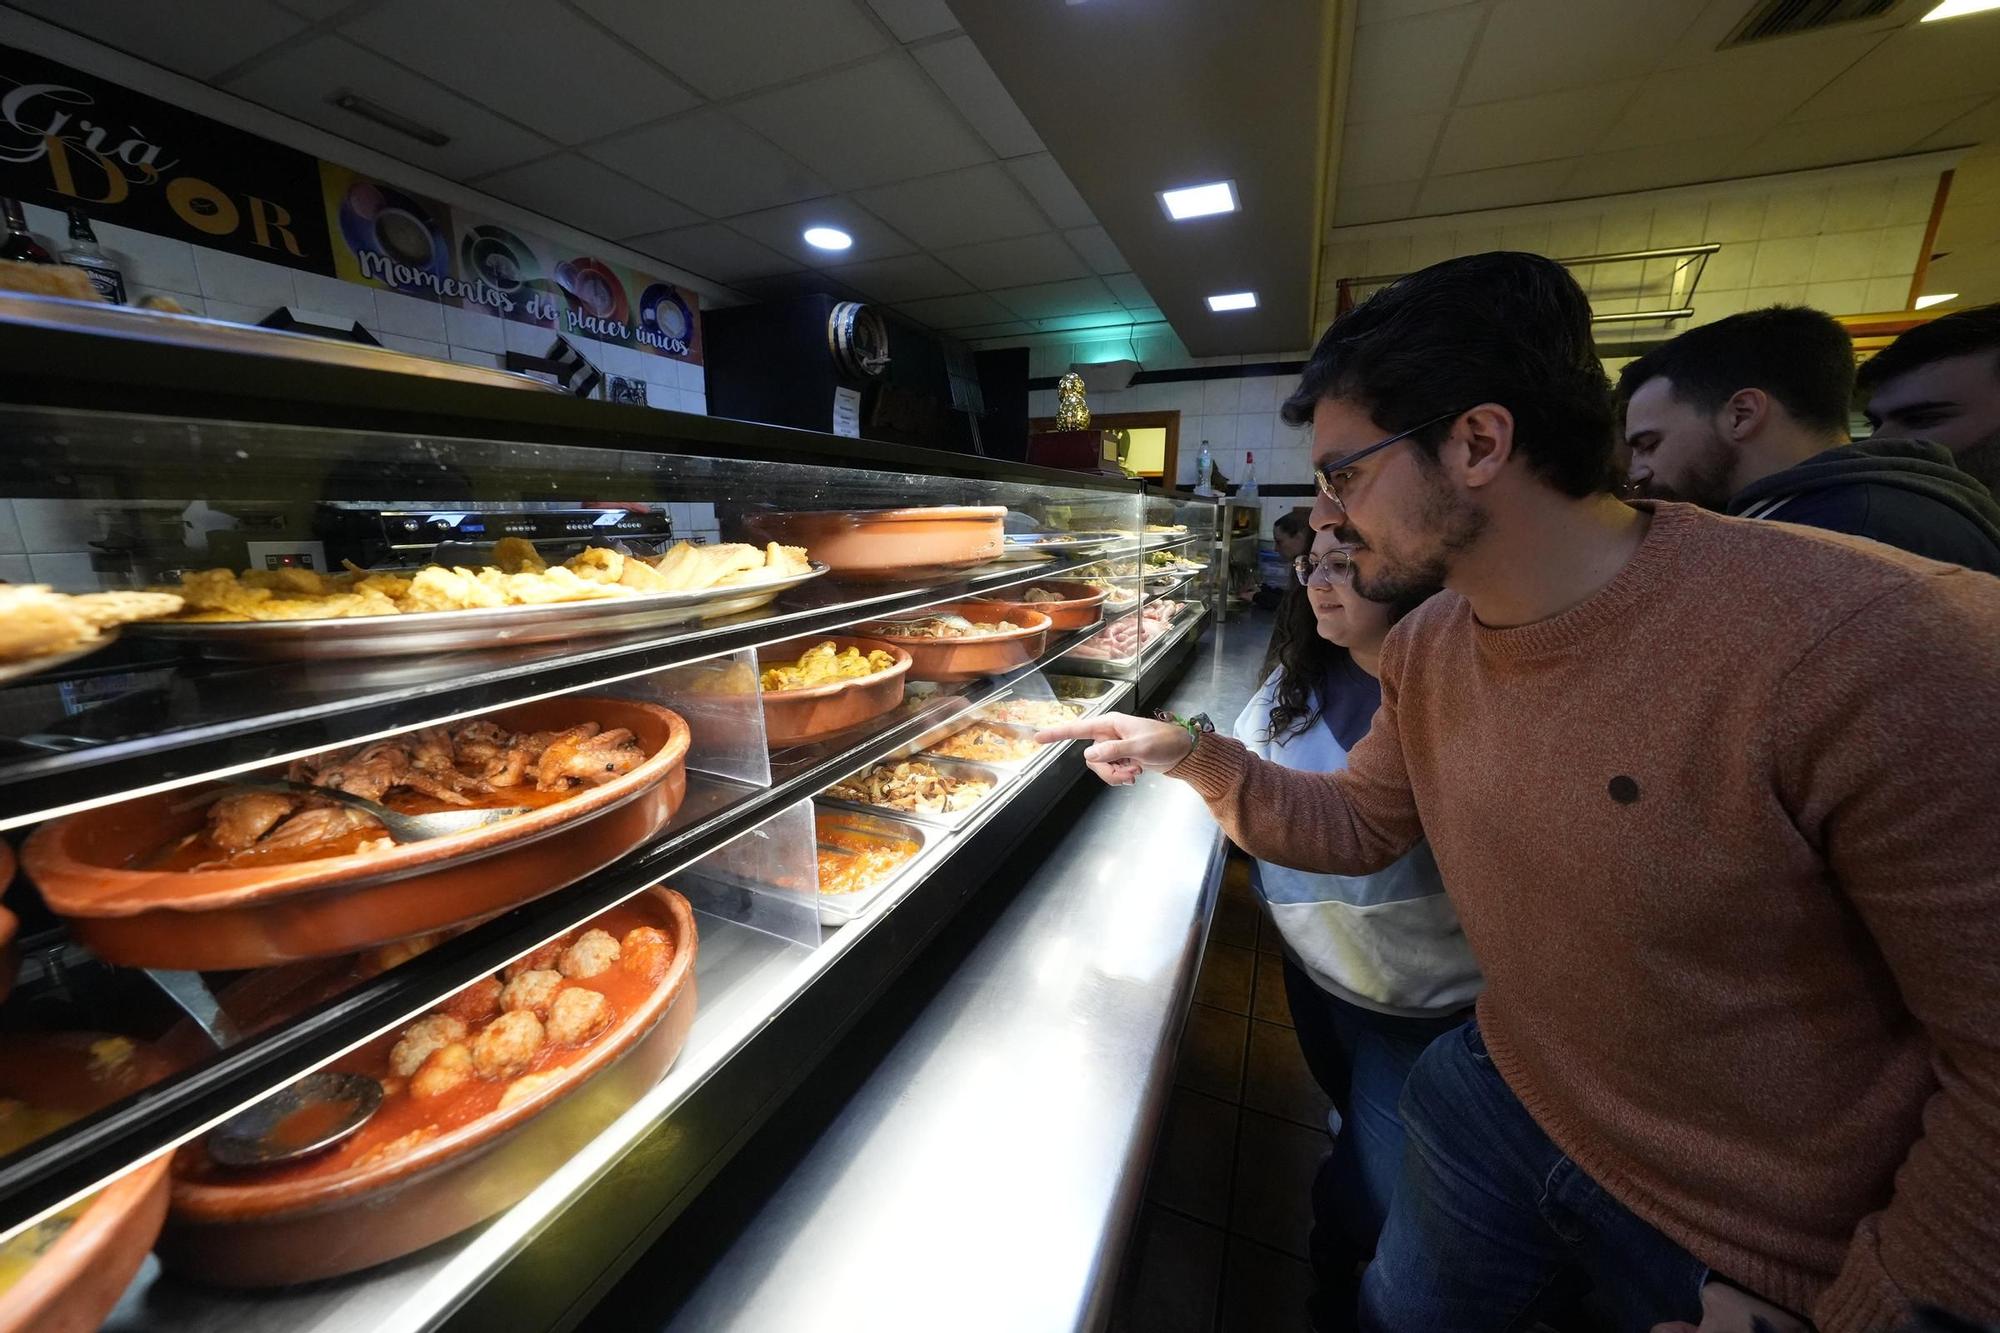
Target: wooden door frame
[{"x": 1169, "y": 421}]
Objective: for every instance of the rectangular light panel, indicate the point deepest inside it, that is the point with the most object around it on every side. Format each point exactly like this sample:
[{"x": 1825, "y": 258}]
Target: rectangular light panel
[
  {"x": 1233, "y": 301},
  {"x": 1200, "y": 201}
]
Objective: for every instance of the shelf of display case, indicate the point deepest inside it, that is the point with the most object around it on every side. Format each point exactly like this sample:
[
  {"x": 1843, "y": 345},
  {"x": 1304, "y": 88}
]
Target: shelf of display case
[
  {"x": 1180, "y": 582},
  {"x": 143, "y": 725},
  {"x": 93, "y": 1149}
]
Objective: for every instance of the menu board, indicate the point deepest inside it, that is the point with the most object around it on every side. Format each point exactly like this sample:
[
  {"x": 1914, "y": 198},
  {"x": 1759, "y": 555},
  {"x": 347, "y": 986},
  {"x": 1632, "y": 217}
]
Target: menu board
[{"x": 69, "y": 139}]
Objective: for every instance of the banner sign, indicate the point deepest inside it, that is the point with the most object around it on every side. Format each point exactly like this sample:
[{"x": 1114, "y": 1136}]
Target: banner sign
[{"x": 70, "y": 139}]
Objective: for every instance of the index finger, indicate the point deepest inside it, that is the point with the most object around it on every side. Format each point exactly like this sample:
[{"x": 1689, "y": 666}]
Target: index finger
[{"x": 1089, "y": 729}]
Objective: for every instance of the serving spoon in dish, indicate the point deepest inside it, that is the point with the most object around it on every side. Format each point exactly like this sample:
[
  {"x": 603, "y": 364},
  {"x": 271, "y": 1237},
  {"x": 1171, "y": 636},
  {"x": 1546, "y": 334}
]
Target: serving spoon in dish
[
  {"x": 318, "y": 1112},
  {"x": 401, "y": 827},
  {"x": 950, "y": 619}
]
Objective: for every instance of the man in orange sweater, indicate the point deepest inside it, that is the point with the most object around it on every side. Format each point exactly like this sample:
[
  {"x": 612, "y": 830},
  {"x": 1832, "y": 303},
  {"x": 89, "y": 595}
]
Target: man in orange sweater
[{"x": 1715, "y": 802}]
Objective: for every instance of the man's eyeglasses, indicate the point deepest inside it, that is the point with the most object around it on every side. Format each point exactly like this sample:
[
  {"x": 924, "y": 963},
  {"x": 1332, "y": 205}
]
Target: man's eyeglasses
[
  {"x": 1329, "y": 477},
  {"x": 1333, "y": 567}
]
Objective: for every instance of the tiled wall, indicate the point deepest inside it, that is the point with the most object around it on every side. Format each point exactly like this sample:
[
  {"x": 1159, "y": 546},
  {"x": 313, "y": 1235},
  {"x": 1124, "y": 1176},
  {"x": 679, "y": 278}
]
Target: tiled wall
[{"x": 229, "y": 286}]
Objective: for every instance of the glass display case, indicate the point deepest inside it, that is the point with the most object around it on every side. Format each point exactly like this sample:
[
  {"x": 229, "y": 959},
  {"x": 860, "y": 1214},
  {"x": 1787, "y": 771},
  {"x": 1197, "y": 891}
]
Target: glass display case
[{"x": 423, "y": 802}]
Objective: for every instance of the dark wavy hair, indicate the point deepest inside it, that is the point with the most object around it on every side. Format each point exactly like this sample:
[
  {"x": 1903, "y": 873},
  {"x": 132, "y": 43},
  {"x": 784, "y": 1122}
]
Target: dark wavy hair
[{"x": 1304, "y": 659}]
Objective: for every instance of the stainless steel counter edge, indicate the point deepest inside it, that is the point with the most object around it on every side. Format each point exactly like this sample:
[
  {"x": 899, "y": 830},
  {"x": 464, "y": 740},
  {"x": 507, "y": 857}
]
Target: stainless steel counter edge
[{"x": 988, "y": 1172}]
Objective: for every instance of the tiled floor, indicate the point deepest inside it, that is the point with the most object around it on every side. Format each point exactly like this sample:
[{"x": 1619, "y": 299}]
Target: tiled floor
[{"x": 1222, "y": 1240}]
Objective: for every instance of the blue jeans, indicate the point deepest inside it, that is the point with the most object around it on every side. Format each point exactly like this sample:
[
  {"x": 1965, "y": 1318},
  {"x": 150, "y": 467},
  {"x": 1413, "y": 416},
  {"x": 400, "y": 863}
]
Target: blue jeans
[{"x": 1493, "y": 1226}]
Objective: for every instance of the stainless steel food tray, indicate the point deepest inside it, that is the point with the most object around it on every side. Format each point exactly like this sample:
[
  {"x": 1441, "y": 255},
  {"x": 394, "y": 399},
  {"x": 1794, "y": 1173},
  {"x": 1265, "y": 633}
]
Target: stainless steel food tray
[
  {"x": 1005, "y": 767},
  {"x": 839, "y": 908},
  {"x": 958, "y": 768},
  {"x": 458, "y": 631}
]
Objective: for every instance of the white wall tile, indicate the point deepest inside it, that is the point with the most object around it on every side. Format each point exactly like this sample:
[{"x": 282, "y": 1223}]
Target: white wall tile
[
  {"x": 473, "y": 356},
  {"x": 1220, "y": 432},
  {"x": 1042, "y": 402},
  {"x": 232, "y": 278},
  {"x": 67, "y": 571},
  {"x": 348, "y": 301},
  {"x": 1888, "y": 294},
  {"x": 16, "y": 569},
  {"x": 193, "y": 303},
  {"x": 1263, "y": 393},
  {"x": 1839, "y": 298},
  {"x": 1736, "y": 219},
  {"x": 1254, "y": 430},
  {"x": 236, "y": 311},
  {"x": 10, "y": 531},
  {"x": 1844, "y": 256},
  {"x": 1782, "y": 262},
  {"x": 417, "y": 346},
  {"x": 1219, "y": 397},
  {"x": 1896, "y": 251},
  {"x": 1185, "y": 397},
  {"x": 1728, "y": 268},
  {"x": 531, "y": 339},
  {"x": 475, "y": 330},
  {"x": 409, "y": 317},
  {"x": 696, "y": 403},
  {"x": 56, "y": 525},
  {"x": 692, "y": 376},
  {"x": 1795, "y": 213},
  {"x": 149, "y": 260}
]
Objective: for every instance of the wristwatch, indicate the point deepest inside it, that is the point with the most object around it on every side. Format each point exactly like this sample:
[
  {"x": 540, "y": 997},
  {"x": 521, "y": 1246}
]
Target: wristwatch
[{"x": 1196, "y": 726}]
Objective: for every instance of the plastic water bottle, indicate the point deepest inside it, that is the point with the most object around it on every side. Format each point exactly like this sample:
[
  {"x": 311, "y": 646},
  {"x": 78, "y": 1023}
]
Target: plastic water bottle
[
  {"x": 1203, "y": 469},
  {"x": 1248, "y": 490}
]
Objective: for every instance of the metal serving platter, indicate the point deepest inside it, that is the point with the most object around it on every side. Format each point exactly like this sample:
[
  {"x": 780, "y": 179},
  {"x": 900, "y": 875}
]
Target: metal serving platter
[
  {"x": 839, "y": 908},
  {"x": 1005, "y": 767},
  {"x": 958, "y": 768},
  {"x": 10, "y": 671},
  {"x": 1067, "y": 543},
  {"x": 457, "y": 631}
]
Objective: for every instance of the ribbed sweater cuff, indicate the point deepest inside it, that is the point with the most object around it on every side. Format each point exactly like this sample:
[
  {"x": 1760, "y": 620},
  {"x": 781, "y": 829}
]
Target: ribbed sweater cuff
[
  {"x": 1863, "y": 1299},
  {"x": 1212, "y": 767}
]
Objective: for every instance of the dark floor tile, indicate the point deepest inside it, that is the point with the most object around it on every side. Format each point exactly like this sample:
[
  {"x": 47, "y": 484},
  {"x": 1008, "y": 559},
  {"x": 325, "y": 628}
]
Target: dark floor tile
[
  {"x": 1226, "y": 974},
  {"x": 1194, "y": 1160},
  {"x": 1236, "y": 879},
  {"x": 1268, "y": 938},
  {"x": 1263, "y": 1291},
  {"x": 1272, "y": 1199},
  {"x": 1269, "y": 1002},
  {"x": 1277, "y": 1081},
  {"x": 1173, "y": 1276},
  {"x": 1211, "y": 1054},
  {"x": 1235, "y": 923}
]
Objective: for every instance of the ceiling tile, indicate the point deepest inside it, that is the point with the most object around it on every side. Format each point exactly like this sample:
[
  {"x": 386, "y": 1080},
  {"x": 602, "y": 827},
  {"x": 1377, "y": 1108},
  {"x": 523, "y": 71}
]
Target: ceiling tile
[
  {"x": 300, "y": 79},
  {"x": 1385, "y": 151},
  {"x": 222, "y": 34},
  {"x": 714, "y": 251},
  {"x": 1538, "y": 46},
  {"x": 1016, "y": 263},
  {"x": 965, "y": 77},
  {"x": 1094, "y": 244},
  {"x": 955, "y": 207},
  {"x": 1378, "y": 11},
  {"x": 951, "y": 312},
  {"x": 726, "y": 49},
  {"x": 316, "y": 10},
  {"x": 1131, "y": 293},
  {"x": 783, "y": 230},
  {"x": 571, "y": 188},
  {"x": 1047, "y": 300},
  {"x": 868, "y": 125},
  {"x": 1744, "y": 91},
  {"x": 1007, "y": 329},
  {"x": 791, "y": 286},
  {"x": 1410, "y": 66},
  {"x": 900, "y": 279},
  {"x": 710, "y": 162},
  {"x": 1656, "y": 166},
  {"x": 1042, "y": 178},
  {"x": 1982, "y": 126},
  {"x": 1529, "y": 129},
  {"x": 1932, "y": 61},
  {"x": 583, "y": 84},
  {"x": 1354, "y": 205},
  {"x": 912, "y": 20},
  {"x": 1797, "y": 145},
  {"x": 1502, "y": 187}
]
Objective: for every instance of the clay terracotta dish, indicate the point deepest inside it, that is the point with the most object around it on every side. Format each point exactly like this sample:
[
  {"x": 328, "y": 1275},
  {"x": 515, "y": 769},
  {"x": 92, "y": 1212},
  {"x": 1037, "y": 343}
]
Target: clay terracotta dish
[
  {"x": 969, "y": 659},
  {"x": 8, "y": 923},
  {"x": 242, "y": 1232},
  {"x": 794, "y": 717},
  {"x": 73, "y": 1286},
  {"x": 215, "y": 920},
  {"x": 1082, "y": 606},
  {"x": 890, "y": 543}
]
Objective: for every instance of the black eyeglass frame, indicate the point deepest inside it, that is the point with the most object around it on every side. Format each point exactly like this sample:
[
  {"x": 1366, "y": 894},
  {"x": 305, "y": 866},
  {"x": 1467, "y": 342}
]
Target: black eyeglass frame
[{"x": 1324, "y": 474}]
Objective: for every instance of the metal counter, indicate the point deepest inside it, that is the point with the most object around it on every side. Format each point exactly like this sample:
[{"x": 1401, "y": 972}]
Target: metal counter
[{"x": 987, "y": 1173}]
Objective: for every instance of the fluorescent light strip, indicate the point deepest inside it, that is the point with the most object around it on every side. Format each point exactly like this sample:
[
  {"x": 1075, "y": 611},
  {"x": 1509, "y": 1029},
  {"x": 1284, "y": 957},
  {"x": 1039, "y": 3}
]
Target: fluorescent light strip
[
  {"x": 1232, "y": 301},
  {"x": 1200, "y": 201},
  {"x": 1955, "y": 9},
  {"x": 827, "y": 238},
  {"x": 1939, "y": 298}
]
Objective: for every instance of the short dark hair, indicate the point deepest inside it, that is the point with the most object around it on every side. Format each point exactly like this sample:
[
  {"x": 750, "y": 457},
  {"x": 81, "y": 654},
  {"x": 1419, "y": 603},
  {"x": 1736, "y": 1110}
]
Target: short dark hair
[
  {"x": 1800, "y": 356},
  {"x": 1289, "y": 524},
  {"x": 1962, "y": 333},
  {"x": 1502, "y": 327}
]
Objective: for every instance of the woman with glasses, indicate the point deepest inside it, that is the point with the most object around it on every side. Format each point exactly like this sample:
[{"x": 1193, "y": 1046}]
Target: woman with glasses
[{"x": 1375, "y": 965}]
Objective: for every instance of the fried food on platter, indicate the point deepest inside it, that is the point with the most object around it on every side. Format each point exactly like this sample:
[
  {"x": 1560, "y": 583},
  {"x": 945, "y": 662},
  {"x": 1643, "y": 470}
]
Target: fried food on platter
[
  {"x": 824, "y": 663},
  {"x": 37, "y": 621}
]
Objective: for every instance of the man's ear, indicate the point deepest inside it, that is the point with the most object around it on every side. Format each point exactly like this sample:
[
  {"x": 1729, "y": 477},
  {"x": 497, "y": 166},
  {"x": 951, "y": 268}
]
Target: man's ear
[
  {"x": 1484, "y": 438},
  {"x": 1744, "y": 414}
]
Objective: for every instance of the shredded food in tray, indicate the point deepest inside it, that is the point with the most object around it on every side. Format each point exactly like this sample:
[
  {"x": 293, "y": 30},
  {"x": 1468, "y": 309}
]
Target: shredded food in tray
[
  {"x": 936, "y": 627},
  {"x": 982, "y": 742},
  {"x": 37, "y": 621},
  {"x": 913, "y": 786},
  {"x": 518, "y": 577},
  {"x": 1030, "y": 712},
  {"x": 853, "y": 859},
  {"x": 824, "y": 663}
]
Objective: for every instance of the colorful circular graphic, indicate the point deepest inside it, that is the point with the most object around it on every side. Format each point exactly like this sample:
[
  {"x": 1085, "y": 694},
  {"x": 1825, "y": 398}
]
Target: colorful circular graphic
[
  {"x": 498, "y": 257},
  {"x": 593, "y": 288},
  {"x": 661, "y": 311},
  {"x": 381, "y": 221}
]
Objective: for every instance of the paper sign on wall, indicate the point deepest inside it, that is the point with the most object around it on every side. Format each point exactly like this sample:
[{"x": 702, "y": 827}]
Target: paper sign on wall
[{"x": 847, "y": 413}]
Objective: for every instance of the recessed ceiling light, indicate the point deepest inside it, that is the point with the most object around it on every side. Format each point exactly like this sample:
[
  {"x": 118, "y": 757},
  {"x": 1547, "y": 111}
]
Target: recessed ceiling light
[
  {"x": 1939, "y": 298},
  {"x": 1233, "y": 301},
  {"x": 1200, "y": 201},
  {"x": 1952, "y": 9},
  {"x": 828, "y": 238}
]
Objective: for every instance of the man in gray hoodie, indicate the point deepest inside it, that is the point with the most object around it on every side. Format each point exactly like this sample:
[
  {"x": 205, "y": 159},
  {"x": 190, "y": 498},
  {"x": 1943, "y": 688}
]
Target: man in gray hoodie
[{"x": 1748, "y": 416}]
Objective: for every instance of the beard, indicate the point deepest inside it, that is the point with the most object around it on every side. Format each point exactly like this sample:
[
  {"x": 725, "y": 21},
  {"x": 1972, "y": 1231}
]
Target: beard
[
  {"x": 1450, "y": 523},
  {"x": 1707, "y": 481},
  {"x": 1981, "y": 460}
]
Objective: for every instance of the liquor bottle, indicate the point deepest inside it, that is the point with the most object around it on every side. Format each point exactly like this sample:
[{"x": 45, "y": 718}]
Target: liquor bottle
[
  {"x": 1247, "y": 489},
  {"x": 85, "y": 253},
  {"x": 19, "y": 245}
]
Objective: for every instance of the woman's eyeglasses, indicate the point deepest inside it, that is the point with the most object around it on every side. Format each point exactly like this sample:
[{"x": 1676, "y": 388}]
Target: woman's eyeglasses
[
  {"x": 1333, "y": 567},
  {"x": 1329, "y": 477}
]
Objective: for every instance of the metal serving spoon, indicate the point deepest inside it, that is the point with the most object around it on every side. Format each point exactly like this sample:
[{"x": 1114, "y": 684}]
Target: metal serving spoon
[
  {"x": 401, "y": 827},
  {"x": 907, "y": 627},
  {"x": 321, "y": 1110}
]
